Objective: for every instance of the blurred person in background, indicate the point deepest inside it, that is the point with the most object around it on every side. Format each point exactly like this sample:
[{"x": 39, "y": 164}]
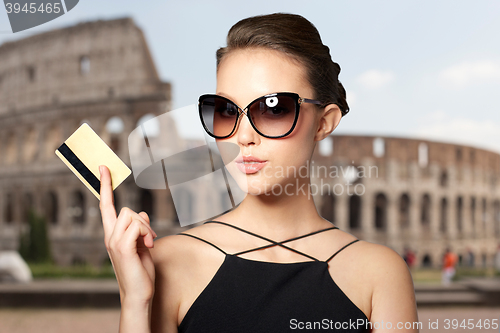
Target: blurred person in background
[
  {"x": 450, "y": 260},
  {"x": 497, "y": 258}
]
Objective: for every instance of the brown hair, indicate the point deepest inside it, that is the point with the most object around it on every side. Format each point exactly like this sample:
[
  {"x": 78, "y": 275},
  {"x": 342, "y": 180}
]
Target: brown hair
[{"x": 297, "y": 37}]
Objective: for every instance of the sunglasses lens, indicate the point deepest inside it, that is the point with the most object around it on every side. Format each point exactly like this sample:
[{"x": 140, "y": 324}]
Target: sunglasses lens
[
  {"x": 219, "y": 115},
  {"x": 273, "y": 115}
]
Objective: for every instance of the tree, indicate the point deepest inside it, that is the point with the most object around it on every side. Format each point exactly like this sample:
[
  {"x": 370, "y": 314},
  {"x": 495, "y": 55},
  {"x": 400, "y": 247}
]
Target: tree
[{"x": 34, "y": 245}]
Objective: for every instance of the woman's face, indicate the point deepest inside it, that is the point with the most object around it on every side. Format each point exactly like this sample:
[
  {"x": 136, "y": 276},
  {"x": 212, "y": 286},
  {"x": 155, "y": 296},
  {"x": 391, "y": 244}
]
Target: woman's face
[{"x": 245, "y": 75}]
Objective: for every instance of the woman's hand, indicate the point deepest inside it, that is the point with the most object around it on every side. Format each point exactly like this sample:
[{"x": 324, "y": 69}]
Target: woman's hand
[{"x": 128, "y": 238}]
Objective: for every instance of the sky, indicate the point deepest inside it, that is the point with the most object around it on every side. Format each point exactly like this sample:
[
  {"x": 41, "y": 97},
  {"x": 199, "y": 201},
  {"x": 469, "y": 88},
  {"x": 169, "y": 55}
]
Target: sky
[{"x": 419, "y": 69}]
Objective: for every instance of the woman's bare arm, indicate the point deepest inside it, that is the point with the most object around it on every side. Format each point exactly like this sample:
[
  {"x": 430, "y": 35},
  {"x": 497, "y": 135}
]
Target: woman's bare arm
[
  {"x": 393, "y": 300},
  {"x": 173, "y": 267}
]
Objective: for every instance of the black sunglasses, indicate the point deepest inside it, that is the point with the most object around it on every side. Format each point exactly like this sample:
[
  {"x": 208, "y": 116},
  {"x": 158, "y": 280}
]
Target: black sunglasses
[{"x": 272, "y": 116}]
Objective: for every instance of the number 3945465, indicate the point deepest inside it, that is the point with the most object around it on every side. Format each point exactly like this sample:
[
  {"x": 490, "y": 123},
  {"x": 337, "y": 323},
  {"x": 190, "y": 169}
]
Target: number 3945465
[{"x": 33, "y": 8}]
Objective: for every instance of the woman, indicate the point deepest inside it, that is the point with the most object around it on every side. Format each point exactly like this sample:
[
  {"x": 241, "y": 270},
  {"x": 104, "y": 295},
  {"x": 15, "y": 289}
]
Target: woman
[{"x": 272, "y": 264}]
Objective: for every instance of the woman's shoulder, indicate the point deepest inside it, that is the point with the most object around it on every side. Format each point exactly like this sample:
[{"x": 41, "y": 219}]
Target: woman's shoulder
[
  {"x": 371, "y": 273},
  {"x": 183, "y": 250},
  {"x": 390, "y": 283},
  {"x": 379, "y": 254},
  {"x": 385, "y": 268},
  {"x": 380, "y": 260},
  {"x": 369, "y": 253},
  {"x": 378, "y": 263}
]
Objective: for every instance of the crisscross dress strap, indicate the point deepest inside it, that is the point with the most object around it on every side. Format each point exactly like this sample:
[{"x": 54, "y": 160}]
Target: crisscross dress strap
[
  {"x": 203, "y": 240},
  {"x": 274, "y": 243},
  {"x": 343, "y": 247}
]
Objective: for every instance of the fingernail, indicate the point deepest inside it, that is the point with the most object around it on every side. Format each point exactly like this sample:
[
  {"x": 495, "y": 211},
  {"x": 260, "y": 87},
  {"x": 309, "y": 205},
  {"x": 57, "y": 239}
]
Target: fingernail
[{"x": 100, "y": 169}]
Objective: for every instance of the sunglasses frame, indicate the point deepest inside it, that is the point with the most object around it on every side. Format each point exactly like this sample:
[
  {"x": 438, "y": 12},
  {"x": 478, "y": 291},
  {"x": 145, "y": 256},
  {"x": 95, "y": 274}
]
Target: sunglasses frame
[{"x": 298, "y": 102}]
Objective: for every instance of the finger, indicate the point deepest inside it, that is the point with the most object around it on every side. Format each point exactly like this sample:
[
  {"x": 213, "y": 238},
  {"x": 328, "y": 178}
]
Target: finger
[
  {"x": 125, "y": 218},
  {"x": 106, "y": 204},
  {"x": 145, "y": 216},
  {"x": 134, "y": 231}
]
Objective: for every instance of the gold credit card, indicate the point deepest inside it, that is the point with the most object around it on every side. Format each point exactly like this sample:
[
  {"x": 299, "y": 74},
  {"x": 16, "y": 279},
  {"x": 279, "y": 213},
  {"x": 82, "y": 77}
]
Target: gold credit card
[{"x": 84, "y": 151}]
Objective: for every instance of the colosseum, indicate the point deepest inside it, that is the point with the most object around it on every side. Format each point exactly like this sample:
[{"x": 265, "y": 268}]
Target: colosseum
[
  {"x": 97, "y": 72},
  {"x": 401, "y": 192},
  {"x": 417, "y": 194}
]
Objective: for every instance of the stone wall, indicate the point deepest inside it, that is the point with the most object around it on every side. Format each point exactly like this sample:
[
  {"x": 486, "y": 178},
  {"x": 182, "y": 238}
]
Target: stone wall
[
  {"x": 412, "y": 193},
  {"x": 96, "y": 72}
]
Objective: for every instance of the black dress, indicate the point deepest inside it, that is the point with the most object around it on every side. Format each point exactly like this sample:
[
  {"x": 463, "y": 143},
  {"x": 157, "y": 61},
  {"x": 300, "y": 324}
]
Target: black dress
[{"x": 250, "y": 296}]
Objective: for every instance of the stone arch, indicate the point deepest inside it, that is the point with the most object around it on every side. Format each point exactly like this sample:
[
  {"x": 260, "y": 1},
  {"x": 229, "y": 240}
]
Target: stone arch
[
  {"x": 380, "y": 211},
  {"x": 404, "y": 211},
  {"x": 459, "y": 209},
  {"x": 473, "y": 213},
  {"x": 458, "y": 154},
  {"x": 151, "y": 125},
  {"x": 378, "y": 147},
  {"x": 427, "y": 260},
  {"x": 423, "y": 155},
  {"x": 11, "y": 149},
  {"x": 53, "y": 139},
  {"x": 146, "y": 204},
  {"x": 84, "y": 65},
  {"x": 425, "y": 211},
  {"x": 9, "y": 208},
  {"x": 112, "y": 133},
  {"x": 354, "y": 211},
  {"x": 443, "y": 221},
  {"x": 443, "y": 178},
  {"x": 484, "y": 211},
  {"x": 29, "y": 145},
  {"x": 496, "y": 217},
  {"x": 470, "y": 257},
  {"x": 325, "y": 146},
  {"x": 328, "y": 207},
  {"x": 78, "y": 207},
  {"x": 28, "y": 206},
  {"x": 31, "y": 73},
  {"x": 51, "y": 207}
]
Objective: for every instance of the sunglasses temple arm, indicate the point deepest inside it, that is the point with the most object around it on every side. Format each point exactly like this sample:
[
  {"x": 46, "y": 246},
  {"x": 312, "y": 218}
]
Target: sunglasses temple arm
[{"x": 312, "y": 101}]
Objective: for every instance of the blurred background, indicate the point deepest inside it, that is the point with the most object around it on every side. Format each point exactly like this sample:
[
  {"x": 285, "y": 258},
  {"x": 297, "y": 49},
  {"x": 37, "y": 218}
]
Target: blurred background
[{"x": 415, "y": 165}]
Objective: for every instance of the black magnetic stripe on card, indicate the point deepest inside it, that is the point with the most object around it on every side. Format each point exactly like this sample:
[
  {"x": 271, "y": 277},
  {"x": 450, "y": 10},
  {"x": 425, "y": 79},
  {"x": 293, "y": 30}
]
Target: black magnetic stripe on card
[{"x": 80, "y": 167}]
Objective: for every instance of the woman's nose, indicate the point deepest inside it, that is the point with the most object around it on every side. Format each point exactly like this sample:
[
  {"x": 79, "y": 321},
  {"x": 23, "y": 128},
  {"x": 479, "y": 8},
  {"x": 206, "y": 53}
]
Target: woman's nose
[{"x": 246, "y": 134}]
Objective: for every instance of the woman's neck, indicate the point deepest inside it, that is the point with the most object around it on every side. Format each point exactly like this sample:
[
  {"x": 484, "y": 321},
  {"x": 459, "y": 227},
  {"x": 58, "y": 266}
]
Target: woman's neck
[{"x": 277, "y": 217}]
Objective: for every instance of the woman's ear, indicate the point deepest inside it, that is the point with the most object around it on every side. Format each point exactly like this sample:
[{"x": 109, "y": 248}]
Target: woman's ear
[{"x": 328, "y": 121}]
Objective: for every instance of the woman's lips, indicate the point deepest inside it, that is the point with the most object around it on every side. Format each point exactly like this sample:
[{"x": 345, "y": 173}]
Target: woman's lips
[{"x": 249, "y": 164}]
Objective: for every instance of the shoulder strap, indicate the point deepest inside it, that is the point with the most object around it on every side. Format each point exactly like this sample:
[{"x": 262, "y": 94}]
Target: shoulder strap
[
  {"x": 274, "y": 243},
  {"x": 218, "y": 248},
  {"x": 343, "y": 247}
]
